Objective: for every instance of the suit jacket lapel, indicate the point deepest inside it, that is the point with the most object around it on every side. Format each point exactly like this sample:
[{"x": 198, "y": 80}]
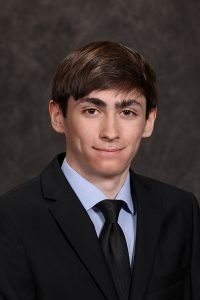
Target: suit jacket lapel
[
  {"x": 148, "y": 206},
  {"x": 76, "y": 225}
]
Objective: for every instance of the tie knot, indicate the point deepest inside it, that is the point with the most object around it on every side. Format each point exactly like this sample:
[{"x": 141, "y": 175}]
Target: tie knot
[{"x": 110, "y": 209}]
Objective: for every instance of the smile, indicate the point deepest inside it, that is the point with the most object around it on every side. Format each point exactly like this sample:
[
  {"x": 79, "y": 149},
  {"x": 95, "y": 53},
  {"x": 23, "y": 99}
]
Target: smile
[{"x": 109, "y": 150}]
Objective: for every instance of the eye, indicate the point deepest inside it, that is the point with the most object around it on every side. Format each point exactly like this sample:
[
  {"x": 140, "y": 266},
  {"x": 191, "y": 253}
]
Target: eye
[
  {"x": 128, "y": 113},
  {"x": 90, "y": 111}
]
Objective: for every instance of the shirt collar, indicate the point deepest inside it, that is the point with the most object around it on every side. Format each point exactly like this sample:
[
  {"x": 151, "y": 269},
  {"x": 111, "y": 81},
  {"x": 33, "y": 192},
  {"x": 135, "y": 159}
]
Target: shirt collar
[{"x": 89, "y": 194}]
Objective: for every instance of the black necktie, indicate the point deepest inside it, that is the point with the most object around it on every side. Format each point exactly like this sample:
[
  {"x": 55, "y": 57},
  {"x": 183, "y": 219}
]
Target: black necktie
[{"x": 114, "y": 247}]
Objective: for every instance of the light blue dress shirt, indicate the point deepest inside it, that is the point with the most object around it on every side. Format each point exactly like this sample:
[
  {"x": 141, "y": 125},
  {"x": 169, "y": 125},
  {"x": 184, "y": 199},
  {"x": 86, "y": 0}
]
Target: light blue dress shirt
[{"x": 90, "y": 195}]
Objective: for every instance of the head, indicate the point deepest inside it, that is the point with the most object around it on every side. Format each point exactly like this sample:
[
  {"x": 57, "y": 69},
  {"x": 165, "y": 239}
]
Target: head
[
  {"x": 104, "y": 100},
  {"x": 103, "y": 66}
]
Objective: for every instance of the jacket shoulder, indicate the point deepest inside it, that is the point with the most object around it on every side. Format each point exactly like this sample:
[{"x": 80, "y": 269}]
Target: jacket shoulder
[
  {"x": 22, "y": 195},
  {"x": 166, "y": 191}
]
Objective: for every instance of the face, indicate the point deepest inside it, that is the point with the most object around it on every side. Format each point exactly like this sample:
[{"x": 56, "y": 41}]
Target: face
[{"x": 103, "y": 132}]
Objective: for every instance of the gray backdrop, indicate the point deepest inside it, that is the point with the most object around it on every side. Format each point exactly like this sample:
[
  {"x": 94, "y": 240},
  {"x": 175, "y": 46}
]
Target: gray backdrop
[{"x": 36, "y": 35}]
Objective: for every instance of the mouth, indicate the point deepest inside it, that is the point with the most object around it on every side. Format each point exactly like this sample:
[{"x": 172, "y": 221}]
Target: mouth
[{"x": 108, "y": 150}]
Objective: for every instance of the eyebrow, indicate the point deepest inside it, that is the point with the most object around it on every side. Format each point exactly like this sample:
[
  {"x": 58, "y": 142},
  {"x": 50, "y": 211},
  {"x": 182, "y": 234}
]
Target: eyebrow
[
  {"x": 120, "y": 104},
  {"x": 127, "y": 102},
  {"x": 95, "y": 101}
]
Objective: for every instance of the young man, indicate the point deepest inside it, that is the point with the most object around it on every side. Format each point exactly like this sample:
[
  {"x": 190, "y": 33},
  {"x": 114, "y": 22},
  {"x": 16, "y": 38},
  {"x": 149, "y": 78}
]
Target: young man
[{"x": 88, "y": 227}]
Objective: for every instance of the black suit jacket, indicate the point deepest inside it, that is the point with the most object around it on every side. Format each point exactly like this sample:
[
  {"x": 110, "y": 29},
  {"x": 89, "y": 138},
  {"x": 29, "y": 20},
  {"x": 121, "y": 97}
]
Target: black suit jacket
[{"x": 49, "y": 249}]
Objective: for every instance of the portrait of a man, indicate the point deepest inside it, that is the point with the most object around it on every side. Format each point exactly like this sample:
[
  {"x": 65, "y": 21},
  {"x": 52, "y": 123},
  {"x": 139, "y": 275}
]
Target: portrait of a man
[{"x": 89, "y": 227}]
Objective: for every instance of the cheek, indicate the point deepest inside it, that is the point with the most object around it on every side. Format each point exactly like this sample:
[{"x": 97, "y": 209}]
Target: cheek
[
  {"x": 133, "y": 134},
  {"x": 79, "y": 136},
  {"x": 133, "y": 138}
]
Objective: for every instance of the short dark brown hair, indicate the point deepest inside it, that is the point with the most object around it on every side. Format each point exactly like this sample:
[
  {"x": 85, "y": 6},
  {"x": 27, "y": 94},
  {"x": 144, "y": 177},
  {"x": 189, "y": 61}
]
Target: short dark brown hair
[{"x": 101, "y": 66}]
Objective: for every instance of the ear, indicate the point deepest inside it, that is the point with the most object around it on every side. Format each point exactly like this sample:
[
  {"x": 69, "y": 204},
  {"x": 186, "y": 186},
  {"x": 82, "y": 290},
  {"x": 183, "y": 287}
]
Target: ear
[
  {"x": 57, "y": 118},
  {"x": 148, "y": 129}
]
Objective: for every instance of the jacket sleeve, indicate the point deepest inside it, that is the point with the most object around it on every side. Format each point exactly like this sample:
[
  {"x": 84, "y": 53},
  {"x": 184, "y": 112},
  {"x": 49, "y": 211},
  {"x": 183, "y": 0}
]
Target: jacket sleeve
[
  {"x": 195, "y": 259},
  {"x": 16, "y": 281}
]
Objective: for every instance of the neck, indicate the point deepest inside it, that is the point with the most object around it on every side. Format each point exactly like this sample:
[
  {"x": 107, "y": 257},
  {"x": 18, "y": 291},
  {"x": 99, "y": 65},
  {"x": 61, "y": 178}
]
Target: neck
[{"x": 111, "y": 186}]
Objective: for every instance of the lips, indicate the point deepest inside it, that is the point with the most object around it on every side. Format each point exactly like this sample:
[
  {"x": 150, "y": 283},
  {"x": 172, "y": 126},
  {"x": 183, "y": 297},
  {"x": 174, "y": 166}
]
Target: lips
[{"x": 102, "y": 149}]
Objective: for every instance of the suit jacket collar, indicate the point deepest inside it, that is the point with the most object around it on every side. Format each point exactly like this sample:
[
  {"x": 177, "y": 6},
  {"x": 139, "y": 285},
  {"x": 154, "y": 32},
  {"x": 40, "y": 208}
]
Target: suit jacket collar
[
  {"x": 149, "y": 209},
  {"x": 67, "y": 209},
  {"x": 77, "y": 227}
]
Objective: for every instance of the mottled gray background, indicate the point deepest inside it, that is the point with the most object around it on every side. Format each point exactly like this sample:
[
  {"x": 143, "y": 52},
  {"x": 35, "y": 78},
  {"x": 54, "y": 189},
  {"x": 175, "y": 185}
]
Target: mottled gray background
[{"x": 36, "y": 35}]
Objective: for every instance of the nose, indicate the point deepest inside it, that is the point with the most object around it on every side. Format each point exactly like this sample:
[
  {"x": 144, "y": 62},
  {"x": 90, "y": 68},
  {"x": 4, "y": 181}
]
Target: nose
[{"x": 109, "y": 129}]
